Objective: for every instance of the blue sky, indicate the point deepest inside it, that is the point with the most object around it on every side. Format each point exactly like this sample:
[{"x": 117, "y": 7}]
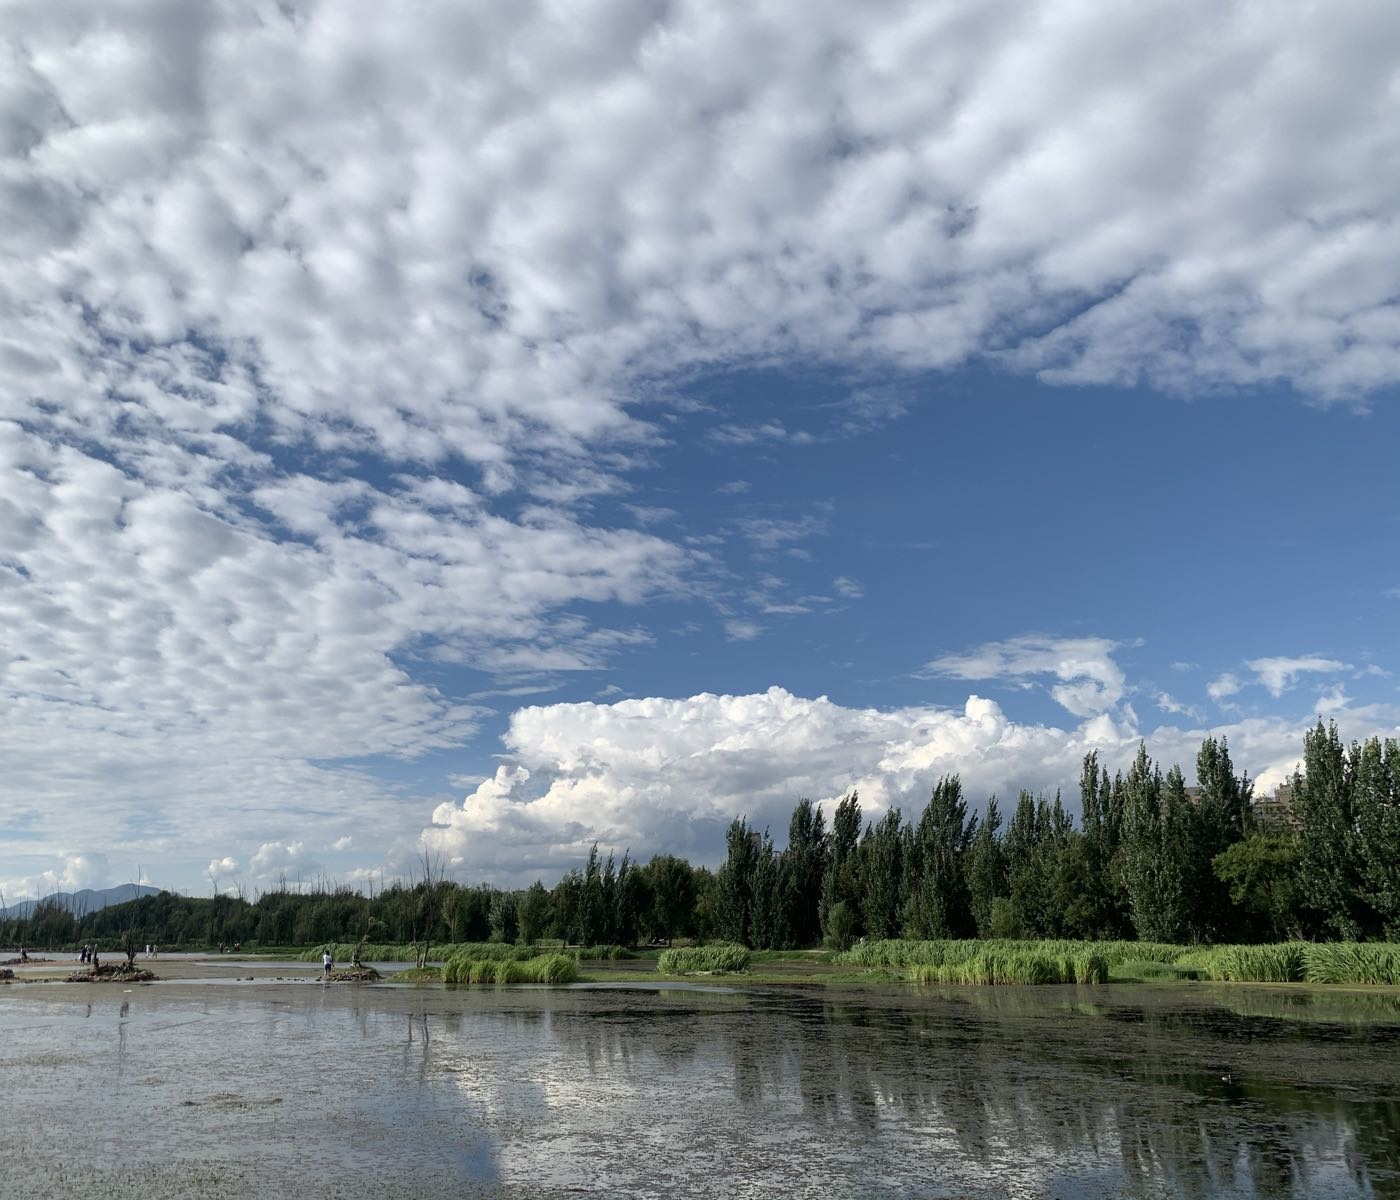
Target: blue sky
[{"x": 521, "y": 426}]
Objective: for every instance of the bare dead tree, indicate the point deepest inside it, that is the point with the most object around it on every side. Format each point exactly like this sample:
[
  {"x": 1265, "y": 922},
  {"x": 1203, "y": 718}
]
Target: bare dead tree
[{"x": 429, "y": 899}]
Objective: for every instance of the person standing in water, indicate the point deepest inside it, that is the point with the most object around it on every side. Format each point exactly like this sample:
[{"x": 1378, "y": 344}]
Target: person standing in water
[{"x": 328, "y": 962}]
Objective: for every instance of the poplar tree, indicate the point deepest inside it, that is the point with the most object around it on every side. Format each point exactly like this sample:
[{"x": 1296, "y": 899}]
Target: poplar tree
[
  {"x": 1219, "y": 818},
  {"x": 1376, "y": 772},
  {"x": 939, "y": 902},
  {"x": 1154, "y": 826},
  {"x": 1329, "y": 858},
  {"x": 803, "y": 867},
  {"x": 733, "y": 896},
  {"x": 986, "y": 870},
  {"x": 882, "y": 873},
  {"x": 841, "y": 879}
]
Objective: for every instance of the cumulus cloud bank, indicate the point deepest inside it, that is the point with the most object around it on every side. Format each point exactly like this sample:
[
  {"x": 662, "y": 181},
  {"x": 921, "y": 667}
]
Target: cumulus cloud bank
[{"x": 660, "y": 775}]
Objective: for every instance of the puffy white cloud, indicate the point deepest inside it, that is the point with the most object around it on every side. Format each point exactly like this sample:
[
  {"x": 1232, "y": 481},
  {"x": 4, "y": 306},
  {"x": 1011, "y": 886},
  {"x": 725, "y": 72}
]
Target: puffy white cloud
[
  {"x": 1092, "y": 681},
  {"x": 279, "y": 863},
  {"x": 74, "y": 872},
  {"x": 1279, "y": 674},
  {"x": 659, "y": 775},
  {"x": 1223, "y": 687},
  {"x": 223, "y": 866}
]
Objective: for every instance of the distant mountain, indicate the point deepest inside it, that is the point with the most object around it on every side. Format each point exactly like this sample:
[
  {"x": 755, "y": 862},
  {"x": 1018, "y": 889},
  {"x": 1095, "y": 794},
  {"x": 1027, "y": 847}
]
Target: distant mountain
[{"x": 86, "y": 901}]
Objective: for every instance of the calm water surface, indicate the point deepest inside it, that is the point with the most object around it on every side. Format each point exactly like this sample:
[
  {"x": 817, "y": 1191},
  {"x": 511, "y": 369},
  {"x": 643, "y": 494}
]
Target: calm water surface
[{"x": 308, "y": 1090}]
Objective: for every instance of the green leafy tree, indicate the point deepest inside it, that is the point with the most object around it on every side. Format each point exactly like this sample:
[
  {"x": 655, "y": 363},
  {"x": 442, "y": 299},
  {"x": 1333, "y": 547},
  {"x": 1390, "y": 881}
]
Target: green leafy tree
[
  {"x": 1155, "y": 823},
  {"x": 1329, "y": 851},
  {"x": 536, "y": 913},
  {"x": 505, "y": 917},
  {"x": 804, "y": 866},
  {"x": 986, "y": 870},
  {"x": 938, "y": 903},
  {"x": 1376, "y": 771},
  {"x": 882, "y": 869},
  {"x": 1219, "y": 818},
  {"x": 734, "y": 883},
  {"x": 841, "y": 879},
  {"x": 673, "y": 895},
  {"x": 1261, "y": 874}
]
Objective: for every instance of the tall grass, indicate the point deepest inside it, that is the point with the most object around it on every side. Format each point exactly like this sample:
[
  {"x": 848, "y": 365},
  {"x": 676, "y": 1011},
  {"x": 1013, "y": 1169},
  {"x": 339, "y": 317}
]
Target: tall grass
[
  {"x": 724, "y": 957},
  {"x": 1282, "y": 962},
  {"x": 992, "y": 961},
  {"x": 392, "y": 952},
  {"x": 1352, "y": 962},
  {"x": 543, "y": 968},
  {"x": 608, "y": 953},
  {"x": 1011, "y": 967},
  {"x": 906, "y": 952}
]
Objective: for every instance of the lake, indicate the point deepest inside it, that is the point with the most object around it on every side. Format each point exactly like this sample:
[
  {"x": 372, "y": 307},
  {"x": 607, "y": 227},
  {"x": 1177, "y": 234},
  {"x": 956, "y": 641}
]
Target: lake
[{"x": 292, "y": 1087}]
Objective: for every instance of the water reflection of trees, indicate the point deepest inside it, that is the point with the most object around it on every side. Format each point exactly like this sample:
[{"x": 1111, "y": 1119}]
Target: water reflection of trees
[{"x": 998, "y": 1075}]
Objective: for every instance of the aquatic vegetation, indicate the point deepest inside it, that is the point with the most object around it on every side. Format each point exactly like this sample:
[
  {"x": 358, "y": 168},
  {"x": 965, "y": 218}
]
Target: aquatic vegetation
[
  {"x": 1352, "y": 962},
  {"x": 724, "y": 957},
  {"x": 907, "y": 952},
  {"x": 998, "y": 967},
  {"x": 394, "y": 952},
  {"x": 542, "y": 968},
  {"x": 1278, "y": 963},
  {"x": 607, "y": 953}
]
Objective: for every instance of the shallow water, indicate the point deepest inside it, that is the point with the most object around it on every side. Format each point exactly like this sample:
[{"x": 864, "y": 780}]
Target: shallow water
[{"x": 183, "y": 1089}]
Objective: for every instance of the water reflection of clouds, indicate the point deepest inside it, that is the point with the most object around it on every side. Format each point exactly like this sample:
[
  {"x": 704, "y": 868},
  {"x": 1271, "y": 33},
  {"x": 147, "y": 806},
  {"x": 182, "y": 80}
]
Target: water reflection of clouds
[{"x": 607, "y": 1091}]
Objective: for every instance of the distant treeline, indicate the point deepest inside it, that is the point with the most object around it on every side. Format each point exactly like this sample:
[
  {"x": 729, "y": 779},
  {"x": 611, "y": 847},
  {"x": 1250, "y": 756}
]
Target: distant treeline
[{"x": 1148, "y": 859}]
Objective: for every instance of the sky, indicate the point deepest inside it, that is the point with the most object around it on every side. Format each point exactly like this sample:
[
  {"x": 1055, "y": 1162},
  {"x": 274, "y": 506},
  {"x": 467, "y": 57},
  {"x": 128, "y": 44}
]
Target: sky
[{"x": 484, "y": 429}]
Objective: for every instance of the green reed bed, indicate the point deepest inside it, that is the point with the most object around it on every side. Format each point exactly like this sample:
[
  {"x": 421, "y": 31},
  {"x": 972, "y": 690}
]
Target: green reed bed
[
  {"x": 542, "y": 968},
  {"x": 604, "y": 953},
  {"x": 436, "y": 953},
  {"x": 716, "y": 958},
  {"x": 1071, "y": 956},
  {"x": 1282, "y": 962},
  {"x": 1375, "y": 963},
  {"x": 998, "y": 968}
]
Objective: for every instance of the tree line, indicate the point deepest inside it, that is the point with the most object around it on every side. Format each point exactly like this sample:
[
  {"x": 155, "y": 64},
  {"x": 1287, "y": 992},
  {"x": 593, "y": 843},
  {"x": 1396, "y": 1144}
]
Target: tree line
[{"x": 1148, "y": 858}]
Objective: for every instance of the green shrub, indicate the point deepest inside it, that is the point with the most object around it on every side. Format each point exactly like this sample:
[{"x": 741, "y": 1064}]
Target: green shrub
[{"x": 723, "y": 957}]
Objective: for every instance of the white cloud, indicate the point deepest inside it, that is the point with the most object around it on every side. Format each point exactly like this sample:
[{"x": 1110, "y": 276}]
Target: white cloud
[
  {"x": 1279, "y": 674},
  {"x": 738, "y": 630},
  {"x": 289, "y": 863},
  {"x": 1170, "y": 704},
  {"x": 226, "y": 865},
  {"x": 1091, "y": 681},
  {"x": 270, "y": 267},
  {"x": 1223, "y": 687},
  {"x": 74, "y": 872},
  {"x": 659, "y": 775},
  {"x": 1332, "y": 701},
  {"x": 847, "y": 588}
]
